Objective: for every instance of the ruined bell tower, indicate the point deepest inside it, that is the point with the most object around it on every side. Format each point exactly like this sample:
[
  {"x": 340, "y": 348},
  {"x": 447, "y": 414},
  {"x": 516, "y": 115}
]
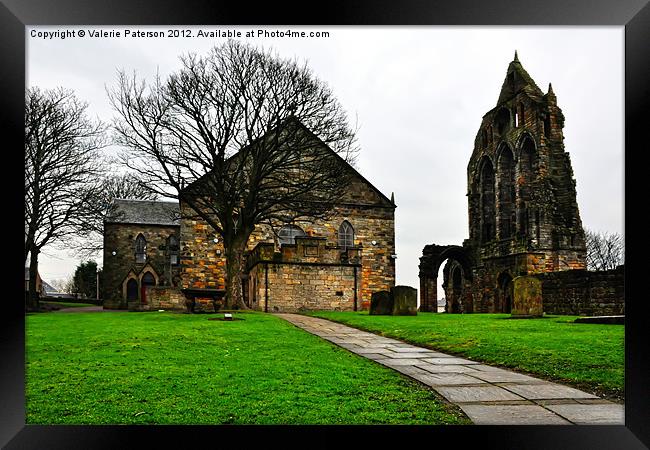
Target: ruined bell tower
[{"x": 523, "y": 213}]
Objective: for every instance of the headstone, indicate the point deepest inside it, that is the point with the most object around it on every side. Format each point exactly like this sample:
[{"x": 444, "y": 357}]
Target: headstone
[
  {"x": 381, "y": 303},
  {"x": 527, "y": 300},
  {"x": 405, "y": 300}
]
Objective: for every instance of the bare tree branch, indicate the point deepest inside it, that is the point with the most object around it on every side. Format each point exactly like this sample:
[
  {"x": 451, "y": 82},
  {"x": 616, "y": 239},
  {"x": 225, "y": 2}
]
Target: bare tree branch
[
  {"x": 240, "y": 136},
  {"x": 605, "y": 250}
]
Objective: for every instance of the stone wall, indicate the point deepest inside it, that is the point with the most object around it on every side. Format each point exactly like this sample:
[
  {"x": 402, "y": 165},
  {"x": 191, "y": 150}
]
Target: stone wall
[
  {"x": 120, "y": 238},
  {"x": 309, "y": 275},
  {"x": 202, "y": 260},
  {"x": 161, "y": 297},
  {"x": 373, "y": 220},
  {"x": 370, "y": 224},
  {"x": 582, "y": 292}
]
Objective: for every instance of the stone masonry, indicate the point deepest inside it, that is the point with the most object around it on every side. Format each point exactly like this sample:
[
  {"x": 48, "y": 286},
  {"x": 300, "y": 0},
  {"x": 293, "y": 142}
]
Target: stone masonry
[
  {"x": 370, "y": 213},
  {"x": 307, "y": 275},
  {"x": 120, "y": 263}
]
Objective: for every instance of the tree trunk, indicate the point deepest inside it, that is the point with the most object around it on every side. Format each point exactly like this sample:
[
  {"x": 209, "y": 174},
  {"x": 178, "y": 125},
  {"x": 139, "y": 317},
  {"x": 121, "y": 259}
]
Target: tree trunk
[
  {"x": 32, "y": 298},
  {"x": 234, "y": 272}
]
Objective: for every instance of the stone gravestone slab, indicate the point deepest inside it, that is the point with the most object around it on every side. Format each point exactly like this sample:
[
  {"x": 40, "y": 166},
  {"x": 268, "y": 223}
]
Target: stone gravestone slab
[
  {"x": 381, "y": 303},
  {"x": 527, "y": 300},
  {"x": 405, "y": 300}
]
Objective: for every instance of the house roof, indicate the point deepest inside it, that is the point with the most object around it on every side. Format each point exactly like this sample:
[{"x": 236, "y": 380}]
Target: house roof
[
  {"x": 146, "y": 212},
  {"x": 292, "y": 119}
]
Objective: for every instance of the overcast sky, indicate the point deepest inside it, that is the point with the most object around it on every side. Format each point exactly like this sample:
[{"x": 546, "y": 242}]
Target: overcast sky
[{"x": 418, "y": 94}]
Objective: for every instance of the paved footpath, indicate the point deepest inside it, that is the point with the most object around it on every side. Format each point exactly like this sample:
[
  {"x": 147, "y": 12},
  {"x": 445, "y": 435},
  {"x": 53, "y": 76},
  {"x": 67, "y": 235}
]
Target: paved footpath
[{"x": 488, "y": 395}]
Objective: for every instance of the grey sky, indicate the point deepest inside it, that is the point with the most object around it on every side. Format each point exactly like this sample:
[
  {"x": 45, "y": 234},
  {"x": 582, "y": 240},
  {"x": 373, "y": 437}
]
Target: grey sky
[{"x": 418, "y": 93}]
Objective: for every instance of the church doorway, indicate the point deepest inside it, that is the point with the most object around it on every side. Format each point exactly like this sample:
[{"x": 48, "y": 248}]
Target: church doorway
[
  {"x": 147, "y": 280},
  {"x": 505, "y": 292},
  {"x": 131, "y": 290}
]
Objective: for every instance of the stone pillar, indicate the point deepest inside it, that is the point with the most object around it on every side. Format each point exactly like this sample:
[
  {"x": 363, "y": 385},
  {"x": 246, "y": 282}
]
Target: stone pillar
[{"x": 428, "y": 294}]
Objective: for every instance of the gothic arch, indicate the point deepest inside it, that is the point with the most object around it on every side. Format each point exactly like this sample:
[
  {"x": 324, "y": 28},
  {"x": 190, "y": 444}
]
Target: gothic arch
[
  {"x": 433, "y": 257},
  {"x": 128, "y": 284},
  {"x": 504, "y": 292},
  {"x": 149, "y": 269},
  {"x": 346, "y": 235},
  {"x": 487, "y": 199},
  {"x": 503, "y": 121},
  {"x": 505, "y": 184}
]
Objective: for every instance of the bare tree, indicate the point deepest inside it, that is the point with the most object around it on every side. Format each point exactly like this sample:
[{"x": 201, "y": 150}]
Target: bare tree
[
  {"x": 61, "y": 284},
  {"x": 61, "y": 166},
  {"x": 241, "y": 137},
  {"x": 111, "y": 186},
  {"x": 604, "y": 250}
]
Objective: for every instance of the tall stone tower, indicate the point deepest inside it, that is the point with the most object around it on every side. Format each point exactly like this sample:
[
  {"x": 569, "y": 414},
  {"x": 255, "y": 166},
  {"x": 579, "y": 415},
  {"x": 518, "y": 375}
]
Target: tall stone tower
[{"x": 523, "y": 214}]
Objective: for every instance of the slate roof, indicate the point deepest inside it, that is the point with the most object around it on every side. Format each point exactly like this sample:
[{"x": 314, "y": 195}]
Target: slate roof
[{"x": 146, "y": 212}]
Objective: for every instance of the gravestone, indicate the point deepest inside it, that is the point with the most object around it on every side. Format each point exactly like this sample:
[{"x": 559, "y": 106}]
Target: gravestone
[
  {"x": 527, "y": 300},
  {"x": 405, "y": 300},
  {"x": 381, "y": 303}
]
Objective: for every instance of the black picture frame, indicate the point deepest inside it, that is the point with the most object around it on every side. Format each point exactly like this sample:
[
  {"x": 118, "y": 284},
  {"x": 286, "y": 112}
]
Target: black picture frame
[{"x": 15, "y": 15}]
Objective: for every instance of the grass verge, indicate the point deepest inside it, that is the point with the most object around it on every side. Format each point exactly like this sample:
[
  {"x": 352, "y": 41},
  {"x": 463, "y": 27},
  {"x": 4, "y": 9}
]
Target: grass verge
[{"x": 588, "y": 356}]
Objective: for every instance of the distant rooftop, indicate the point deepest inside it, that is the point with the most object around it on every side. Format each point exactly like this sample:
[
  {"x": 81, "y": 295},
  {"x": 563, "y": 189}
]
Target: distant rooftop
[{"x": 146, "y": 212}]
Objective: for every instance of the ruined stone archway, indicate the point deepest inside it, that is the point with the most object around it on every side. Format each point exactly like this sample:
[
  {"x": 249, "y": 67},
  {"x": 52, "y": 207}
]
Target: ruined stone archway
[{"x": 433, "y": 256}]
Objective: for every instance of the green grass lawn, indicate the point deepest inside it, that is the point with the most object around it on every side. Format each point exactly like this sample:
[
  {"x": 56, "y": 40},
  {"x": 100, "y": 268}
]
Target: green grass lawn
[
  {"x": 587, "y": 356},
  {"x": 166, "y": 368}
]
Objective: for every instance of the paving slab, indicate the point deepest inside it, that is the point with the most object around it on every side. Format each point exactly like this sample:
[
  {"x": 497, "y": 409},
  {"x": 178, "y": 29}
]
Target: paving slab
[
  {"x": 402, "y": 355},
  {"x": 503, "y": 377},
  {"x": 448, "y": 360},
  {"x": 594, "y": 414},
  {"x": 442, "y": 368},
  {"x": 447, "y": 379},
  {"x": 512, "y": 415},
  {"x": 547, "y": 391},
  {"x": 408, "y": 349},
  {"x": 397, "y": 361},
  {"x": 468, "y": 394}
]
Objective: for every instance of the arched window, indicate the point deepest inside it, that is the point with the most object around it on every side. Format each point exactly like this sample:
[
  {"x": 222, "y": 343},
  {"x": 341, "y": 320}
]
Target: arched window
[
  {"x": 487, "y": 201},
  {"x": 506, "y": 187},
  {"x": 140, "y": 249},
  {"x": 502, "y": 121},
  {"x": 346, "y": 235},
  {"x": 173, "y": 250},
  {"x": 288, "y": 234}
]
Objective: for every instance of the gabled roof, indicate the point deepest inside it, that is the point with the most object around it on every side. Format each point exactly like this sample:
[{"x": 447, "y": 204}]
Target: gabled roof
[
  {"x": 295, "y": 120},
  {"x": 355, "y": 172},
  {"x": 145, "y": 212},
  {"x": 517, "y": 79}
]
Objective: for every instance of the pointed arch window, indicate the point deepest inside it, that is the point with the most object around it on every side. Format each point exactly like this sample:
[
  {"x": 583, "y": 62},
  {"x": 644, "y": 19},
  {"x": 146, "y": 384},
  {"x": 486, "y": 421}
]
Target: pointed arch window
[
  {"x": 506, "y": 192},
  {"x": 140, "y": 249},
  {"x": 487, "y": 201},
  {"x": 288, "y": 234},
  {"x": 173, "y": 250},
  {"x": 346, "y": 235}
]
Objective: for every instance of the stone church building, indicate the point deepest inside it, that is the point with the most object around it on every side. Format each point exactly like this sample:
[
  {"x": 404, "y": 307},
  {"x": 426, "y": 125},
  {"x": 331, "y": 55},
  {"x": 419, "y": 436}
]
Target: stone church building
[
  {"x": 523, "y": 214},
  {"x": 156, "y": 257}
]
